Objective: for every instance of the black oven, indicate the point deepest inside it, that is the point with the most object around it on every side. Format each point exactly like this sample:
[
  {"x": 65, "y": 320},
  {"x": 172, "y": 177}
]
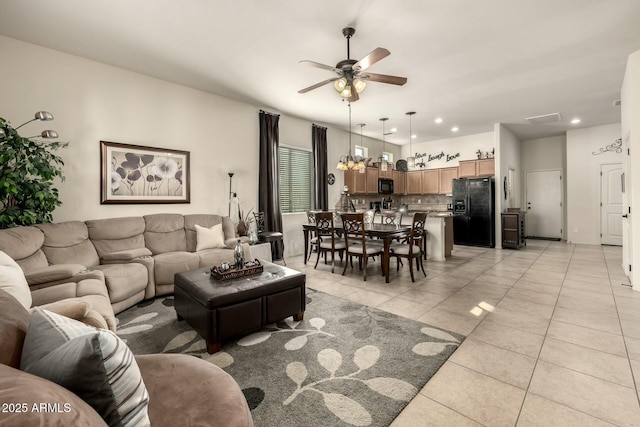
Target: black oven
[{"x": 385, "y": 186}]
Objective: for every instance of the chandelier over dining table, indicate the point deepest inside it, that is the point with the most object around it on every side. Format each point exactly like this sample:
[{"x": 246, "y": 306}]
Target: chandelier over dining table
[{"x": 350, "y": 162}]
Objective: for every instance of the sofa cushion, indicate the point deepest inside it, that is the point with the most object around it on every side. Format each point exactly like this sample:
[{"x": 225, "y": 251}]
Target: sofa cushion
[
  {"x": 77, "y": 309},
  {"x": 94, "y": 364},
  {"x": 124, "y": 280},
  {"x": 54, "y": 273},
  {"x": 168, "y": 264},
  {"x": 14, "y": 321},
  {"x": 209, "y": 238},
  {"x": 47, "y": 404},
  {"x": 13, "y": 281},
  {"x": 165, "y": 233},
  {"x": 24, "y": 244},
  {"x": 208, "y": 221},
  {"x": 116, "y": 234},
  {"x": 68, "y": 243}
]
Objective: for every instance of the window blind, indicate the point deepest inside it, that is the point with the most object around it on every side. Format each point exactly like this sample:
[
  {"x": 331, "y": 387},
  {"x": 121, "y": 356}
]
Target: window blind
[{"x": 296, "y": 180}]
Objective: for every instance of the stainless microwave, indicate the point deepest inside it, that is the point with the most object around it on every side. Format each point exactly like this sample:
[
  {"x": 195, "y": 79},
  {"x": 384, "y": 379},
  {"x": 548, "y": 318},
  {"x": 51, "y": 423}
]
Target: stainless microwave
[{"x": 385, "y": 186}]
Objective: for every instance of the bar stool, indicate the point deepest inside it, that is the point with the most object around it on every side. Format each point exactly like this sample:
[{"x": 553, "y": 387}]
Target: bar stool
[{"x": 268, "y": 236}]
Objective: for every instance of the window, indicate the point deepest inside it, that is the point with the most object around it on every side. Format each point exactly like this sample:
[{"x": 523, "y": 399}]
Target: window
[
  {"x": 296, "y": 180},
  {"x": 388, "y": 156},
  {"x": 361, "y": 151}
]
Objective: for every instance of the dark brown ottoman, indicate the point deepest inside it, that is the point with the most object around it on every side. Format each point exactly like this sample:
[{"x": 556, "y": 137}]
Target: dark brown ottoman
[{"x": 218, "y": 310}]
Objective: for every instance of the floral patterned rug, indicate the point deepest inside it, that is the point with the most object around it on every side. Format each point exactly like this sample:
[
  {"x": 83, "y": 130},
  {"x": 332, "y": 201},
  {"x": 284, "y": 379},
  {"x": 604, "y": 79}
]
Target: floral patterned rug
[{"x": 345, "y": 364}]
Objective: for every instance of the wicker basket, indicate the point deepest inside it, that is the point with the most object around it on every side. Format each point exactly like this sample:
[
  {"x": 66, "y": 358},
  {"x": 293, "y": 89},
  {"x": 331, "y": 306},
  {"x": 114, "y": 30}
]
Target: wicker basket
[{"x": 235, "y": 273}]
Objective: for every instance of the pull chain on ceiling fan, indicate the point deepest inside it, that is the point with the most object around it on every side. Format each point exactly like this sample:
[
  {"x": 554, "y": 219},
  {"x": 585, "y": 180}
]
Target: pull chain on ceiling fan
[{"x": 351, "y": 76}]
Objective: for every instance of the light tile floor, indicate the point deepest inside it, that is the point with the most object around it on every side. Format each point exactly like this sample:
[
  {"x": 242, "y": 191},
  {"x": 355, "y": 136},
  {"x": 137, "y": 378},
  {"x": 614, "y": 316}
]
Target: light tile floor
[{"x": 553, "y": 333}]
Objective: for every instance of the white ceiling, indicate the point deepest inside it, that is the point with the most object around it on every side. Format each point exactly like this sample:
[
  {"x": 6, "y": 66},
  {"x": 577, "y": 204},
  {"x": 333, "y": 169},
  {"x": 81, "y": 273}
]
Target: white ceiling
[{"x": 473, "y": 63}]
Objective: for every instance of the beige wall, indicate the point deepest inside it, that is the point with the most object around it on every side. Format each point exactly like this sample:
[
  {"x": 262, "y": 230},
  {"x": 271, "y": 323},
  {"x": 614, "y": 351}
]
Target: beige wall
[
  {"x": 92, "y": 101},
  {"x": 583, "y": 179}
]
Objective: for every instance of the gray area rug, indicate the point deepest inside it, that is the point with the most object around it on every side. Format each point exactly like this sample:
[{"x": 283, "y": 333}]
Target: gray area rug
[{"x": 345, "y": 364}]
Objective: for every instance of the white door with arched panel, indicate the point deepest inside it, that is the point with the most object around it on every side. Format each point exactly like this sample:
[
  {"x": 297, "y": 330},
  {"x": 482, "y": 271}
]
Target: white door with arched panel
[{"x": 611, "y": 204}]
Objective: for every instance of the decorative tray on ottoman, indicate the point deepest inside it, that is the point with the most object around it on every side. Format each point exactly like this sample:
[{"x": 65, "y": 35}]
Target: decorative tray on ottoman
[{"x": 249, "y": 269}]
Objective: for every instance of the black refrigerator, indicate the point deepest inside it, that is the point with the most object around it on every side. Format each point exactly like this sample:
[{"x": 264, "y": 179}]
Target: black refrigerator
[{"x": 474, "y": 212}]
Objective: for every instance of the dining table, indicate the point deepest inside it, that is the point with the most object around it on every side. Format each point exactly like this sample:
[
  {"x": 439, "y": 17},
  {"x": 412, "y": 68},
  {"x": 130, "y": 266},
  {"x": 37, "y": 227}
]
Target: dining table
[{"x": 385, "y": 232}]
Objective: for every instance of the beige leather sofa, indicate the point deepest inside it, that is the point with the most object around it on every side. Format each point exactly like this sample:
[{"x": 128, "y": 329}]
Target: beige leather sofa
[{"x": 113, "y": 263}]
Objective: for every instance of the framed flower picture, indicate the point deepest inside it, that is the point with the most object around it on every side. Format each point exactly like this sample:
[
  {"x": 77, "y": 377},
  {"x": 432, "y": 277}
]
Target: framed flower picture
[{"x": 138, "y": 174}]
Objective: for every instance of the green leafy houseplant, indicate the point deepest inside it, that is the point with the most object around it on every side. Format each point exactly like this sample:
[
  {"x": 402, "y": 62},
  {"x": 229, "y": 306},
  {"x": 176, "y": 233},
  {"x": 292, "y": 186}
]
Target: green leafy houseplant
[{"x": 28, "y": 168}]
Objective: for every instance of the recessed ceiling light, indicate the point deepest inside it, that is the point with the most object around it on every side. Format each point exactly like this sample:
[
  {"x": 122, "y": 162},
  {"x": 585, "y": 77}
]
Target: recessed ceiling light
[
  {"x": 414, "y": 136},
  {"x": 575, "y": 121},
  {"x": 455, "y": 129},
  {"x": 438, "y": 120},
  {"x": 393, "y": 130}
]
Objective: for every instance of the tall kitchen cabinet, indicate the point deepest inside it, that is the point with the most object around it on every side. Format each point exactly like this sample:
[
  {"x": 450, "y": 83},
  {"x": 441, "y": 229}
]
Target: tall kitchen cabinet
[
  {"x": 372, "y": 180},
  {"x": 356, "y": 181},
  {"x": 413, "y": 184},
  {"x": 398, "y": 182},
  {"x": 447, "y": 175},
  {"x": 430, "y": 181}
]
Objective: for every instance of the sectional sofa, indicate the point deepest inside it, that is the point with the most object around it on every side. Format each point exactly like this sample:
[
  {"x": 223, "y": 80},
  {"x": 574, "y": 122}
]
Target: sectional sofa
[{"x": 115, "y": 263}]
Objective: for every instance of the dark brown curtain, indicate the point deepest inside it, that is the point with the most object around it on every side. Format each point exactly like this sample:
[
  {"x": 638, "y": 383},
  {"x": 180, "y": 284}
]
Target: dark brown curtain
[
  {"x": 319, "y": 143},
  {"x": 268, "y": 177}
]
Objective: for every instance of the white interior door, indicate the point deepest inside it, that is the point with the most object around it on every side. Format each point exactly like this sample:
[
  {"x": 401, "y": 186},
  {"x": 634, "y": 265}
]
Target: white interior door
[
  {"x": 544, "y": 204},
  {"x": 611, "y": 204},
  {"x": 627, "y": 247}
]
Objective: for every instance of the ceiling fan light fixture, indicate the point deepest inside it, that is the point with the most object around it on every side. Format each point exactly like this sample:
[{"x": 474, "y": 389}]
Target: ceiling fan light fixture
[
  {"x": 359, "y": 85},
  {"x": 340, "y": 84}
]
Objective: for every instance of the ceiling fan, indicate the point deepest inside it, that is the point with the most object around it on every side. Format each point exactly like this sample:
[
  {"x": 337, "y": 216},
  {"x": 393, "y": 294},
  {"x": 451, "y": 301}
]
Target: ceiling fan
[{"x": 351, "y": 74}]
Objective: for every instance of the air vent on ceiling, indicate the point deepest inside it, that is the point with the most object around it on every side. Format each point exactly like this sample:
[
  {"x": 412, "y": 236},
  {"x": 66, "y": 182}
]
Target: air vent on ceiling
[{"x": 545, "y": 118}]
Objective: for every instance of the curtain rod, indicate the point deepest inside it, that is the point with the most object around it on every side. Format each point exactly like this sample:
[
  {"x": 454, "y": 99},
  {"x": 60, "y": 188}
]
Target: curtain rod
[{"x": 271, "y": 114}]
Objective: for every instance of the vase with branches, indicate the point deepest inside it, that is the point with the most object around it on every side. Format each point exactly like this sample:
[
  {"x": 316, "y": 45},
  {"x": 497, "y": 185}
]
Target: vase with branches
[{"x": 28, "y": 170}]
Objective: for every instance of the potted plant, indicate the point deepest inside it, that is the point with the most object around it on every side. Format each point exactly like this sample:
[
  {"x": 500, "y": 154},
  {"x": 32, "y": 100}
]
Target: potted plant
[{"x": 28, "y": 169}]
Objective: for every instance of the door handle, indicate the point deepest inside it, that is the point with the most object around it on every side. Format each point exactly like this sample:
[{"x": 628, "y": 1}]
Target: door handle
[{"x": 625, "y": 216}]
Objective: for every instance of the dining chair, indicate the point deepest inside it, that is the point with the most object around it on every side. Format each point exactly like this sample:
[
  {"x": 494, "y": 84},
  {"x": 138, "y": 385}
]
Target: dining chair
[
  {"x": 265, "y": 235},
  {"x": 393, "y": 217},
  {"x": 413, "y": 248},
  {"x": 313, "y": 242},
  {"x": 357, "y": 244},
  {"x": 327, "y": 239}
]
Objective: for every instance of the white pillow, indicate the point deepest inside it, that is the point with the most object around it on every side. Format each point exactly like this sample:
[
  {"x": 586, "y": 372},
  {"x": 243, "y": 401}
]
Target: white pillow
[
  {"x": 209, "y": 238},
  {"x": 13, "y": 281}
]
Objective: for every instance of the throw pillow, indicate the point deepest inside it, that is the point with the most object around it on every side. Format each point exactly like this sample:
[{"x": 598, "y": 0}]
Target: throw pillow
[
  {"x": 209, "y": 238},
  {"x": 94, "y": 364},
  {"x": 13, "y": 281}
]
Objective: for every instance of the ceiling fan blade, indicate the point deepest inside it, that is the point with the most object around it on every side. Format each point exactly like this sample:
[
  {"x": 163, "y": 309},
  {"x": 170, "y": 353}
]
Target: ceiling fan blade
[
  {"x": 317, "y": 85},
  {"x": 376, "y": 55},
  {"x": 321, "y": 66},
  {"x": 383, "y": 78}
]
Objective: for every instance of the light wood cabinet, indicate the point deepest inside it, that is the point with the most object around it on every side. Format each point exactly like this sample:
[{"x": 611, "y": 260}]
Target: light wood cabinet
[
  {"x": 471, "y": 168},
  {"x": 486, "y": 167},
  {"x": 385, "y": 174},
  {"x": 413, "y": 182},
  {"x": 356, "y": 181},
  {"x": 372, "y": 181},
  {"x": 447, "y": 175},
  {"x": 398, "y": 182},
  {"x": 430, "y": 181}
]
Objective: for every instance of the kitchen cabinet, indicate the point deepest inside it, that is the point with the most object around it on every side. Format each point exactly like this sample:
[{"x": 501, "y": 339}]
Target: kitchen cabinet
[
  {"x": 446, "y": 177},
  {"x": 430, "y": 181},
  {"x": 413, "y": 182},
  {"x": 471, "y": 168},
  {"x": 356, "y": 181},
  {"x": 385, "y": 174},
  {"x": 372, "y": 180},
  {"x": 398, "y": 182}
]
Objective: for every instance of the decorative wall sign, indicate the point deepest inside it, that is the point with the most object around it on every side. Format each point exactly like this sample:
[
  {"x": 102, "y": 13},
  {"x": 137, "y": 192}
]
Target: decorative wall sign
[
  {"x": 616, "y": 147},
  {"x": 439, "y": 156},
  {"x": 137, "y": 174}
]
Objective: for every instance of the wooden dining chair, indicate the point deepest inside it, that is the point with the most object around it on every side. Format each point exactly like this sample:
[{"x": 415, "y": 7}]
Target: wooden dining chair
[
  {"x": 357, "y": 244},
  {"x": 413, "y": 248},
  {"x": 328, "y": 242},
  {"x": 391, "y": 217},
  {"x": 313, "y": 242}
]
